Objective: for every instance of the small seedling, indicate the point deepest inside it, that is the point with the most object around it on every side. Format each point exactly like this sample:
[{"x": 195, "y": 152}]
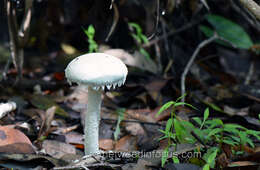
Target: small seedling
[
  {"x": 90, "y": 32},
  {"x": 120, "y": 113},
  {"x": 207, "y": 132},
  {"x": 139, "y": 37},
  {"x": 174, "y": 131}
]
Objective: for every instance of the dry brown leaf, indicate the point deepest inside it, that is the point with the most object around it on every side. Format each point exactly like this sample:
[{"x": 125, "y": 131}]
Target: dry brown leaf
[
  {"x": 46, "y": 121},
  {"x": 140, "y": 114},
  {"x": 126, "y": 143},
  {"x": 14, "y": 141},
  {"x": 223, "y": 160},
  {"x": 135, "y": 60},
  {"x": 74, "y": 137},
  {"x": 241, "y": 163},
  {"x": 106, "y": 144},
  {"x": 163, "y": 116},
  {"x": 134, "y": 129},
  {"x": 57, "y": 149},
  {"x": 154, "y": 87}
]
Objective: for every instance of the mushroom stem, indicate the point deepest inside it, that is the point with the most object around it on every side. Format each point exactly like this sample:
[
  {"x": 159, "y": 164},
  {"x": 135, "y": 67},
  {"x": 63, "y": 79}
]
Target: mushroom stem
[{"x": 92, "y": 118}]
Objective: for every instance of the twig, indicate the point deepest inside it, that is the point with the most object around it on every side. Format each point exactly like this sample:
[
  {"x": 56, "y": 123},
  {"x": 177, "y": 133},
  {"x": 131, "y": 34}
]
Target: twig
[
  {"x": 187, "y": 68},
  {"x": 205, "y": 4},
  {"x": 115, "y": 20},
  {"x": 134, "y": 121},
  {"x": 252, "y": 6},
  {"x": 200, "y": 46},
  {"x": 157, "y": 20},
  {"x": 6, "y": 108},
  {"x": 158, "y": 54},
  {"x": 250, "y": 73},
  {"x": 18, "y": 38},
  {"x": 7, "y": 65},
  {"x": 166, "y": 42},
  {"x": 251, "y": 19},
  {"x": 173, "y": 32}
]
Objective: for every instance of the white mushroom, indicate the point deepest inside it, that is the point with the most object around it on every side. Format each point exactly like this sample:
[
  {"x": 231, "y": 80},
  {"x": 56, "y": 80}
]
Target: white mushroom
[{"x": 96, "y": 71}]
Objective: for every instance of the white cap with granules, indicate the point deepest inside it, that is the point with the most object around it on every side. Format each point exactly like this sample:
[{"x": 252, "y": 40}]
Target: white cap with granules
[{"x": 96, "y": 71}]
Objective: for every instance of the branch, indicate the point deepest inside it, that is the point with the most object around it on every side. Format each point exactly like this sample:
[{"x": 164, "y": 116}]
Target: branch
[
  {"x": 115, "y": 20},
  {"x": 187, "y": 68},
  {"x": 252, "y": 6},
  {"x": 24, "y": 29}
]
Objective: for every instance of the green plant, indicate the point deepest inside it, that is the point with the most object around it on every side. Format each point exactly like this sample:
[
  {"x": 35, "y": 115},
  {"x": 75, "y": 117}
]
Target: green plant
[
  {"x": 205, "y": 131},
  {"x": 90, "y": 32},
  {"x": 228, "y": 30},
  {"x": 139, "y": 37},
  {"x": 175, "y": 130},
  {"x": 120, "y": 112}
]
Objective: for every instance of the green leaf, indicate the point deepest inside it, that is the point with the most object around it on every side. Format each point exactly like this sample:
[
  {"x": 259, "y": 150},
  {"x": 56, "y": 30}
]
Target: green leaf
[
  {"x": 200, "y": 133},
  {"x": 165, "y": 107},
  {"x": 136, "y": 26},
  {"x": 45, "y": 102},
  {"x": 179, "y": 98},
  {"x": 183, "y": 103},
  {"x": 230, "y": 31},
  {"x": 161, "y": 138},
  {"x": 210, "y": 156},
  {"x": 230, "y": 142},
  {"x": 91, "y": 30},
  {"x": 137, "y": 38},
  {"x": 234, "y": 126},
  {"x": 120, "y": 113},
  {"x": 144, "y": 38},
  {"x": 205, "y": 117},
  {"x": 206, "y": 30},
  {"x": 235, "y": 138},
  {"x": 214, "y": 132},
  {"x": 197, "y": 120},
  {"x": 165, "y": 156},
  {"x": 145, "y": 53},
  {"x": 215, "y": 107},
  {"x": 214, "y": 122},
  {"x": 175, "y": 159},
  {"x": 206, "y": 167},
  {"x": 179, "y": 130},
  {"x": 250, "y": 142},
  {"x": 254, "y": 133},
  {"x": 169, "y": 124},
  {"x": 206, "y": 114}
]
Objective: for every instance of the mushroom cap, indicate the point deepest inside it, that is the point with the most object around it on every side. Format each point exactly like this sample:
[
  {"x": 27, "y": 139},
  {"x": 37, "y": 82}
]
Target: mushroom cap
[{"x": 97, "y": 70}]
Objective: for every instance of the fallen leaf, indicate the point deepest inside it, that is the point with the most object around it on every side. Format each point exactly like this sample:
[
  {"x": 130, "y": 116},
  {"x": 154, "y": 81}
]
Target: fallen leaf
[
  {"x": 106, "y": 144},
  {"x": 136, "y": 60},
  {"x": 140, "y": 114},
  {"x": 46, "y": 121},
  {"x": 126, "y": 143},
  {"x": 68, "y": 49},
  {"x": 241, "y": 163},
  {"x": 14, "y": 141},
  {"x": 154, "y": 87},
  {"x": 43, "y": 102},
  {"x": 223, "y": 160},
  {"x": 57, "y": 149},
  {"x": 163, "y": 116},
  {"x": 31, "y": 158},
  {"x": 134, "y": 129},
  {"x": 78, "y": 99},
  {"x": 143, "y": 164}
]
